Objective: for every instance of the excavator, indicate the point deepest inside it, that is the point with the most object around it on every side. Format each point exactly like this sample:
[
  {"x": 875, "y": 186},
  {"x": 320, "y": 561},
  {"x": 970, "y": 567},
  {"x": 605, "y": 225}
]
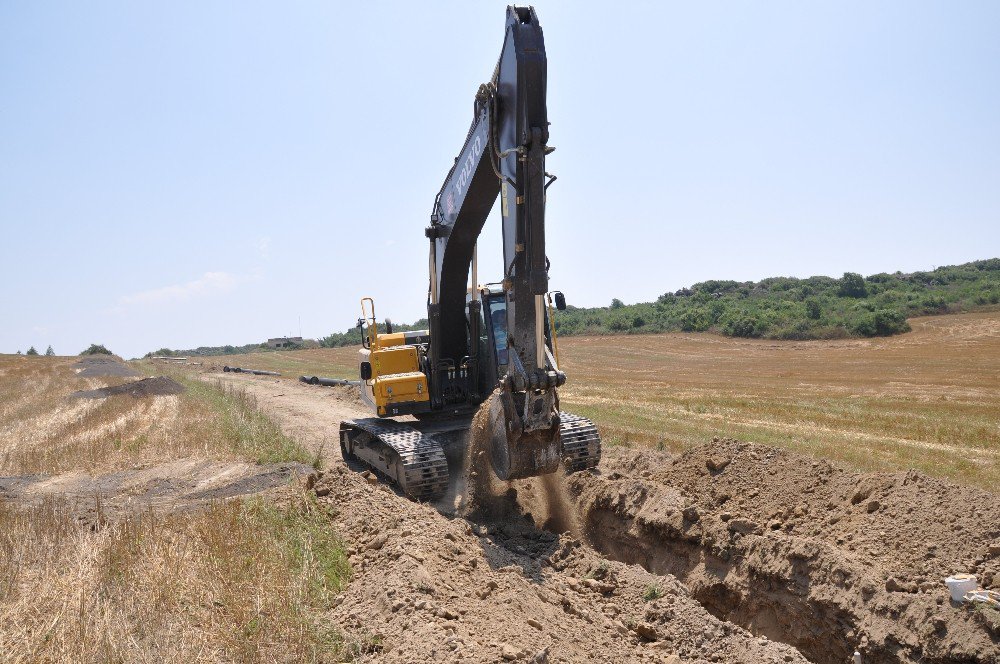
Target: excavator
[{"x": 494, "y": 343}]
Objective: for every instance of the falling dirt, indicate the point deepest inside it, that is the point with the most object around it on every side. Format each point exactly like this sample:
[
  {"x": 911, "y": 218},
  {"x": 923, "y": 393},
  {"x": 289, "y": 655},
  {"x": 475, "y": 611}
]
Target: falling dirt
[
  {"x": 147, "y": 387},
  {"x": 482, "y": 497}
]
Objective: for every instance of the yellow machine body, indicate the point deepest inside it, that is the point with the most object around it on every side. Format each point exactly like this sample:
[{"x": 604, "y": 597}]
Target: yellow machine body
[{"x": 397, "y": 386}]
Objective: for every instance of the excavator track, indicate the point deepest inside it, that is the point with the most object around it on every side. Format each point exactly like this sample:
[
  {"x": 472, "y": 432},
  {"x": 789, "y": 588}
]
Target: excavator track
[
  {"x": 581, "y": 443},
  {"x": 413, "y": 461}
]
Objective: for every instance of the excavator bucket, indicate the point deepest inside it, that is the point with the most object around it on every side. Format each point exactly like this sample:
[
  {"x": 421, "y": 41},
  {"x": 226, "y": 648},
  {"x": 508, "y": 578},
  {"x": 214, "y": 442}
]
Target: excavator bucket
[{"x": 517, "y": 452}]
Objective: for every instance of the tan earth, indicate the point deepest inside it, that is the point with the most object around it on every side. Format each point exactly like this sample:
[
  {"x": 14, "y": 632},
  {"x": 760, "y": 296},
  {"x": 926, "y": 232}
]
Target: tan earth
[{"x": 730, "y": 552}]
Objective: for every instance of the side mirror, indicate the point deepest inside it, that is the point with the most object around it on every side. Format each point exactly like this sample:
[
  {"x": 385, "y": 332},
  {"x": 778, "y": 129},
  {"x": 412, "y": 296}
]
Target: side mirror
[
  {"x": 366, "y": 371},
  {"x": 560, "y": 301}
]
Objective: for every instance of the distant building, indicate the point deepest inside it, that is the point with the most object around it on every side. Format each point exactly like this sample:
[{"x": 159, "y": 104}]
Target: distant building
[{"x": 284, "y": 342}]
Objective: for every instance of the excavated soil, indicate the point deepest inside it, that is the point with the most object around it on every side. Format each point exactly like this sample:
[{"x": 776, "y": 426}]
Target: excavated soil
[
  {"x": 147, "y": 387},
  {"x": 427, "y": 587},
  {"x": 805, "y": 552}
]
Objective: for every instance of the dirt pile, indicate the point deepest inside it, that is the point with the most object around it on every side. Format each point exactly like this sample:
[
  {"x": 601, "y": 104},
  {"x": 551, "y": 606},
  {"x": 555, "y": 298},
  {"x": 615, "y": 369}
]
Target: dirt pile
[
  {"x": 147, "y": 387},
  {"x": 430, "y": 588},
  {"x": 805, "y": 552},
  {"x": 94, "y": 366},
  {"x": 348, "y": 394}
]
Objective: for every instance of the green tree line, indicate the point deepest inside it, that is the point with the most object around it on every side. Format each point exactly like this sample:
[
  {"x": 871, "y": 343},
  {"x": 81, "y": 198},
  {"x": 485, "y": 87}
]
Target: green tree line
[
  {"x": 790, "y": 308},
  {"x": 774, "y": 308}
]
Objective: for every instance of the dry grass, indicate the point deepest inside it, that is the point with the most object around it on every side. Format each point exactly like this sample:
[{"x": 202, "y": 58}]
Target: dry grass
[
  {"x": 43, "y": 430},
  {"x": 928, "y": 400},
  {"x": 327, "y": 362},
  {"x": 238, "y": 582}
]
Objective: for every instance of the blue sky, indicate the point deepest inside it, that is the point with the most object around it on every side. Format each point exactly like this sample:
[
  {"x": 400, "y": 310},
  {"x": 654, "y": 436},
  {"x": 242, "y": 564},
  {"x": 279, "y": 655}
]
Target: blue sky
[{"x": 189, "y": 173}]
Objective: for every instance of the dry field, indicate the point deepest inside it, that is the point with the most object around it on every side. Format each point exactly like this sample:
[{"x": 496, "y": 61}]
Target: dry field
[
  {"x": 695, "y": 556},
  {"x": 328, "y": 362},
  {"x": 153, "y": 580},
  {"x": 43, "y": 430},
  {"x": 929, "y": 399}
]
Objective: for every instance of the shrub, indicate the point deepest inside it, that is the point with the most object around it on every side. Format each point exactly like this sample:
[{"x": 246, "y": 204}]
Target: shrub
[
  {"x": 852, "y": 285},
  {"x": 880, "y": 323},
  {"x": 623, "y": 321},
  {"x": 97, "y": 349},
  {"x": 694, "y": 320},
  {"x": 32, "y": 351},
  {"x": 744, "y": 324},
  {"x": 813, "y": 309}
]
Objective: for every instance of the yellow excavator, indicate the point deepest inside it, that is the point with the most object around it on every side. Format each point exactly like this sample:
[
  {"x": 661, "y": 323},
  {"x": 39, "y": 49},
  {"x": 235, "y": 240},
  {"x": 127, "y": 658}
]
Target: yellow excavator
[{"x": 424, "y": 387}]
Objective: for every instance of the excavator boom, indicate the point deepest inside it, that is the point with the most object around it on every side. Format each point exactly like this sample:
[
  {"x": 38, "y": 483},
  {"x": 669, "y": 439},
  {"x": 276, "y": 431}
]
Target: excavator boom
[{"x": 504, "y": 154}]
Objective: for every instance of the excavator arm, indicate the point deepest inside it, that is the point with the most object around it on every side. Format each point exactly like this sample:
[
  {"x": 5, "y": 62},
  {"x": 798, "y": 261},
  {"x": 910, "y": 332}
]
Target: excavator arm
[{"x": 503, "y": 155}]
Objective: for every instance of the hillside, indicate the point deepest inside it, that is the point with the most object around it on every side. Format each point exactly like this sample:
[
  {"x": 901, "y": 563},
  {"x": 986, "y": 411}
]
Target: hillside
[
  {"x": 774, "y": 308},
  {"x": 790, "y": 308}
]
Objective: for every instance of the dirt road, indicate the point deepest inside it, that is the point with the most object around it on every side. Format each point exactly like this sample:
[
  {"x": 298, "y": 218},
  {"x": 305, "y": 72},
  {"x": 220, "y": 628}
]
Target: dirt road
[
  {"x": 310, "y": 414},
  {"x": 730, "y": 552}
]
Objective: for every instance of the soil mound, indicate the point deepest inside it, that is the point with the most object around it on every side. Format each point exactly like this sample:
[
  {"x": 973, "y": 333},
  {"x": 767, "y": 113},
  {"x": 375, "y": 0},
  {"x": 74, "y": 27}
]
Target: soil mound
[
  {"x": 96, "y": 366},
  {"x": 803, "y": 551},
  {"x": 430, "y": 588},
  {"x": 348, "y": 394},
  {"x": 147, "y": 387}
]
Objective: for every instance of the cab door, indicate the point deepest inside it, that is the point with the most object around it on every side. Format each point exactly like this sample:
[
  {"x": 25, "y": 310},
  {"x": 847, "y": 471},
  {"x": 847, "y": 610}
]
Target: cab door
[{"x": 495, "y": 324}]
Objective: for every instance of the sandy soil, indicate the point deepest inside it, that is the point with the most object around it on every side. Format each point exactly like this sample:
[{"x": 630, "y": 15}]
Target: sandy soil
[{"x": 731, "y": 552}]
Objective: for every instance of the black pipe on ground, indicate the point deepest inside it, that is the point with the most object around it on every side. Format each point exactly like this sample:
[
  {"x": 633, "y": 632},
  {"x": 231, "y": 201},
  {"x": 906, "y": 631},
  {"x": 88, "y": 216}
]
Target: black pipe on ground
[
  {"x": 328, "y": 382},
  {"x": 256, "y": 372}
]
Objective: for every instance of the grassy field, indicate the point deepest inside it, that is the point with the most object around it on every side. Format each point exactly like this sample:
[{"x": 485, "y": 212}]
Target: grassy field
[
  {"x": 248, "y": 580},
  {"x": 328, "y": 362},
  {"x": 928, "y": 399},
  {"x": 42, "y": 430}
]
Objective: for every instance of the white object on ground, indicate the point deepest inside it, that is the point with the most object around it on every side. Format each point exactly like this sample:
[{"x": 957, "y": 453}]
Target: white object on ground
[
  {"x": 990, "y": 597},
  {"x": 960, "y": 585}
]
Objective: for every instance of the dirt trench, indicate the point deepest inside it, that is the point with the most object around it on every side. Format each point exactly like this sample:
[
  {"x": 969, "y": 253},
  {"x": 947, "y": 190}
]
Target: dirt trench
[{"x": 803, "y": 552}]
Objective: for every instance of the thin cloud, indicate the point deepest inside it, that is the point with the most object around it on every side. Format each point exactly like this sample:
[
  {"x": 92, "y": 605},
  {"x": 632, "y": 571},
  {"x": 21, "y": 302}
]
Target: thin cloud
[
  {"x": 264, "y": 247},
  {"x": 210, "y": 283}
]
